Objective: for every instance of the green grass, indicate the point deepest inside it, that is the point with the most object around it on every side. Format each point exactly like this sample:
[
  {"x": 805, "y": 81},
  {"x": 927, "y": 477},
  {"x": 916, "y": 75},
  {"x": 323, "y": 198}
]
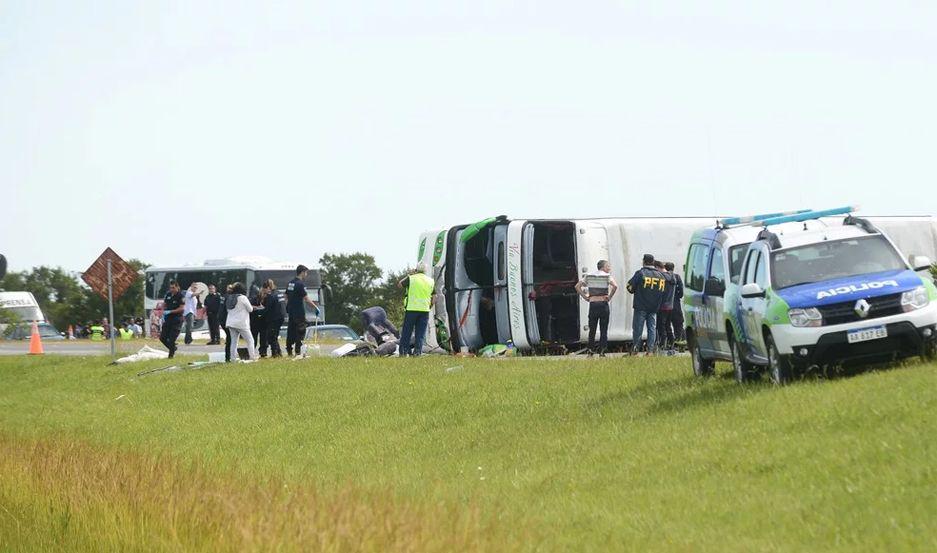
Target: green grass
[{"x": 632, "y": 454}]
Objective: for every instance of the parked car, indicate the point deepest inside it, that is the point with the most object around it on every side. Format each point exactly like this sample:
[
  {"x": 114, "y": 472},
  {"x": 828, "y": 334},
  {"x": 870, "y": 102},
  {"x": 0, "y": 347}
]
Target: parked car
[
  {"x": 327, "y": 333},
  {"x": 24, "y": 332},
  {"x": 715, "y": 267},
  {"x": 829, "y": 297}
]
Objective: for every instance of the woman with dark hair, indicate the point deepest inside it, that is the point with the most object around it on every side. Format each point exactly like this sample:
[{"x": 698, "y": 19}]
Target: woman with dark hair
[
  {"x": 238, "y": 323},
  {"x": 274, "y": 308}
]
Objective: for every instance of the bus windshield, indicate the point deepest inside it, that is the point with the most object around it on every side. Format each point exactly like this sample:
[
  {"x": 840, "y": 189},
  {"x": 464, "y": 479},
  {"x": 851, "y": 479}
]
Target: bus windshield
[
  {"x": 157, "y": 282},
  {"x": 835, "y": 259}
]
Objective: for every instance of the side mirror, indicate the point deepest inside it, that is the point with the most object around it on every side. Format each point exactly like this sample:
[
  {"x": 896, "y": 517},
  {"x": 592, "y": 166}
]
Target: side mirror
[
  {"x": 714, "y": 287},
  {"x": 752, "y": 290},
  {"x": 921, "y": 262}
]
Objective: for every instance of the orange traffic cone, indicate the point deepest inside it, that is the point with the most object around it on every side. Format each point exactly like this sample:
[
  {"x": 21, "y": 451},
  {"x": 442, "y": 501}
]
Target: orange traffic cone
[{"x": 35, "y": 342}]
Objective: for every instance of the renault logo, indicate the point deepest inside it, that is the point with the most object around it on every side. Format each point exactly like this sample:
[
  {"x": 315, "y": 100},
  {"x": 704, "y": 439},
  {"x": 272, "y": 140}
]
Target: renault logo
[{"x": 862, "y": 308}]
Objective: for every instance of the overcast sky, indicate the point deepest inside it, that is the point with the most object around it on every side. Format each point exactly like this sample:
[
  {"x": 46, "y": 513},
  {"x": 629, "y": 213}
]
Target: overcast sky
[{"x": 175, "y": 132}]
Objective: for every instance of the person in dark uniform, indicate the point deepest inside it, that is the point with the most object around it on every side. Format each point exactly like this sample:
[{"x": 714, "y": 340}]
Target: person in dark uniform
[
  {"x": 296, "y": 297},
  {"x": 173, "y": 305},
  {"x": 665, "y": 337},
  {"x": 677, "y": 316},
  {"x": 212, "y": 308},
  {"x": 274, "y": 309},
  {"x": 256, "y": 318},
  {"x": 648, "y": 286}
]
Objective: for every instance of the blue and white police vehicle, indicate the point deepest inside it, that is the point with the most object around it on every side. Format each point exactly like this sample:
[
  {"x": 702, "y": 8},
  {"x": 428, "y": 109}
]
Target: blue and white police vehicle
[{"x": 772, "y": 291}]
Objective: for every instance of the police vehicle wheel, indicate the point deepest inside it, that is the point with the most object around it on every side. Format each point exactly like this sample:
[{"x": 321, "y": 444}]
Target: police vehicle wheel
[
  {"x": 930, "y": 351},
  {"x": 744, "y": 371},
  {"x": 778, "y": 365},
  {"x": 701, "y": 366}
]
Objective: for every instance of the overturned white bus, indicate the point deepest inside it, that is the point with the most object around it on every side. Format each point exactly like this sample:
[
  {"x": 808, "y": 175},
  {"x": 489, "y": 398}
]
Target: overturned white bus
[{"x": 512, "y": 281}]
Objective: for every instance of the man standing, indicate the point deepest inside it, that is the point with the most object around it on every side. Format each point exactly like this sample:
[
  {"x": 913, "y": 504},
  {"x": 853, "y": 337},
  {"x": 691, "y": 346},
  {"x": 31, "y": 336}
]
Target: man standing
[
  {"x": 296, "y": 297},
  {"x": 647, "y": 285},
  {"x": 188, "y": 313},
  {"x": 212, "y": 308},
  {"x": 665, "y": 335},
  {"x": 173, "y": 306},
  {"x": 598, "y": 288},
  {"x": 677, "y": 315},
  {"x": 420, "y": 299}
]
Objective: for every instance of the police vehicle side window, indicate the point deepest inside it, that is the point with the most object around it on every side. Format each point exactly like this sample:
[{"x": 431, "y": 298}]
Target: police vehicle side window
[
  {"x": 717, "y": 270},
  {"x": 695, "y": 267},
  {"x": 750, "y": 267},
  {"x": 761, "y": 274}
]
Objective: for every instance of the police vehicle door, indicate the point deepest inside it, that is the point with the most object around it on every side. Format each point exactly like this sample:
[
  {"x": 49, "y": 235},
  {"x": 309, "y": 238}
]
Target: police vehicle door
[
  {"x": 752, "y": 312},
  {"x": 714, "y": 301},
  {"x": 698, "y": 317}
]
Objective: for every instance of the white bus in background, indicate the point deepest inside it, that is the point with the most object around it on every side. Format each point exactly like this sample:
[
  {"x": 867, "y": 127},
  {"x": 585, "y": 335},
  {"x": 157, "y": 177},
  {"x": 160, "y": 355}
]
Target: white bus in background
[
  {"x": 513, "y": 280},
  {"x": 20, "y": 307},
  {"x": 251, "y": 271}
]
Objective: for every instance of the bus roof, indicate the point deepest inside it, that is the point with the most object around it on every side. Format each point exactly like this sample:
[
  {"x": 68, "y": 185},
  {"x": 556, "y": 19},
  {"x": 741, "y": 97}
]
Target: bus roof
[{"x": 230, "y": 263}]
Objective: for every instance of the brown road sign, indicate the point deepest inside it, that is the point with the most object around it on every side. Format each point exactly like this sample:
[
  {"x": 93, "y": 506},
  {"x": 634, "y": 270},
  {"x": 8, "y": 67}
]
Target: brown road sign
[{"x": 122, "y": 274}]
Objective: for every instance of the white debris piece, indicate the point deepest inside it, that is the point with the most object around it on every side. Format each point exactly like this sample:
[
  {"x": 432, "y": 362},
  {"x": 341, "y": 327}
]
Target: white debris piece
[{"x": 146, "y": 353}]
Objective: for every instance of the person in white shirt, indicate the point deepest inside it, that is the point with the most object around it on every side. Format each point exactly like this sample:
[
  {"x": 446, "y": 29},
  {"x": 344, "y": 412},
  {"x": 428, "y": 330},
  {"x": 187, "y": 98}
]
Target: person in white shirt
[
  {"x": 238, "y": 322},
  {"x": 598, "y": 288},
  {"x": 191, "y": 304}
]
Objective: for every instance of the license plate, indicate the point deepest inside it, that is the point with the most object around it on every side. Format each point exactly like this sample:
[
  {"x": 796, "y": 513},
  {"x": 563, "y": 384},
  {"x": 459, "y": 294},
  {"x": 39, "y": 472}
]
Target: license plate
[{"x": 866, "y": 334}]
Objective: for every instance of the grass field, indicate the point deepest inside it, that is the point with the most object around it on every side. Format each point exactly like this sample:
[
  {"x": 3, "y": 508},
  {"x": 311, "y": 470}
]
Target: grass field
[{"x": 449, "y": 454}]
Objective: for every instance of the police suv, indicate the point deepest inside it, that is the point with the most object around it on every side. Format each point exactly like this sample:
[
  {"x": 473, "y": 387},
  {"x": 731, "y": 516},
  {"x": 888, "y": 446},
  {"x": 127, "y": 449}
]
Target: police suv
[
  {"x": 830, "y": 296},
  {"x": 803, "y": 294}
]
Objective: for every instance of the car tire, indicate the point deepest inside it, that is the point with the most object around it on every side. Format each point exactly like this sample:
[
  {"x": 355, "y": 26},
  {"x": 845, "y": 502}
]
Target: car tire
[
  {"x": 929, "y": 351},
  {"x": 702, "y": 367},
  {"x": 779, "y": 366},
  {"x": 743, "y": 370}
]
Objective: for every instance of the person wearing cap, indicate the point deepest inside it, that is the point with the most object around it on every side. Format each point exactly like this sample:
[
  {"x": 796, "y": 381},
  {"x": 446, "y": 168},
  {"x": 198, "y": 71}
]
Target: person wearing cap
[
  {"x": 419, "y": 301},
  {"x": 598, "y": 288},
  {"x": 647, "y": 285},
  {"x": 296, "y": 297}
]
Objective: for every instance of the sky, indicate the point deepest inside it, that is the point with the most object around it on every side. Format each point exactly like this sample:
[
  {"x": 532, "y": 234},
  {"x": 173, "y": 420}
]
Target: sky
[{"x": 179, "y": 131}]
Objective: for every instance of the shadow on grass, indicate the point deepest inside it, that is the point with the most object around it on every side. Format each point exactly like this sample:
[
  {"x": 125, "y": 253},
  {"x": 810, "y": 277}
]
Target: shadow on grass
[{"x": 681, "y": 394}]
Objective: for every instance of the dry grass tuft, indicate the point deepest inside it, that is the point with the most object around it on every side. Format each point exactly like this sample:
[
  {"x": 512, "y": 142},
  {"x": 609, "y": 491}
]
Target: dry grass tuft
[{"x": 68, "y": 495}]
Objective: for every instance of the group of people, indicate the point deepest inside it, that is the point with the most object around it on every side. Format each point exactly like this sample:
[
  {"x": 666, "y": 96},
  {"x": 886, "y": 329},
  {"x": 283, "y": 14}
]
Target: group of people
[
  {"x": 255, "y": 319},
  {"x": 128, "y": 329},
  {"x": 657, "y": 291}
]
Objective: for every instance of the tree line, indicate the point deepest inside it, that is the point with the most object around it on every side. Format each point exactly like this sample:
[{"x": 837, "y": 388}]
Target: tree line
[{"x": 354, "y": 282}]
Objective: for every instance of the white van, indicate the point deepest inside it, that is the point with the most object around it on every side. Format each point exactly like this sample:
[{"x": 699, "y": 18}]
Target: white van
[
  {"x": 22, "y": 306},
  {"x": 513, "y": 280}
]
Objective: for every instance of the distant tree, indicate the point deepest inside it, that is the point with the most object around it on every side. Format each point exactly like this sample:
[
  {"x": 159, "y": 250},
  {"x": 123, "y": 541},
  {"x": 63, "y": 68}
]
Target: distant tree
[
  {"x": 65, "y": 300},
  {"x": 351, "y": 279},
  {"x": 388, "y": 296}
]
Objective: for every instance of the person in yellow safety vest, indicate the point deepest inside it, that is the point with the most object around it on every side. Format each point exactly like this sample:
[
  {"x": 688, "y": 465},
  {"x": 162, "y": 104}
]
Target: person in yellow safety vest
[
  {"x": 126, "y": 333},
  {"x": 97, "y": 332},
  {"x": 420, "y": 300}
]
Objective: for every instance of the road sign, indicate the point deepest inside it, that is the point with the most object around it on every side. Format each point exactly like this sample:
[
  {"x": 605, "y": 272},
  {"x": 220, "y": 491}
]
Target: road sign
[{"x": 122, "y": 273}]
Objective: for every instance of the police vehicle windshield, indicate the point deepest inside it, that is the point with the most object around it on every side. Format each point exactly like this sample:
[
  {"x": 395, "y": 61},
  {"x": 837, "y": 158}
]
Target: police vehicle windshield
[{"x": 834, "y": 259}]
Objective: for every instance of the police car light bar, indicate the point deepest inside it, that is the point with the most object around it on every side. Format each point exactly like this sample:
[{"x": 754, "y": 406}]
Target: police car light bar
[
  {"x": 734, "y": 221},
  {"x": 807, "y": 216}
]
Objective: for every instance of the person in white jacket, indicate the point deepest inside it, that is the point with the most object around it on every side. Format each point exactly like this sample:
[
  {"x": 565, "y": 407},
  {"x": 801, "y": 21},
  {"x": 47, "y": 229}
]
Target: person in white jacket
[{"x": 238, "y": 323}]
